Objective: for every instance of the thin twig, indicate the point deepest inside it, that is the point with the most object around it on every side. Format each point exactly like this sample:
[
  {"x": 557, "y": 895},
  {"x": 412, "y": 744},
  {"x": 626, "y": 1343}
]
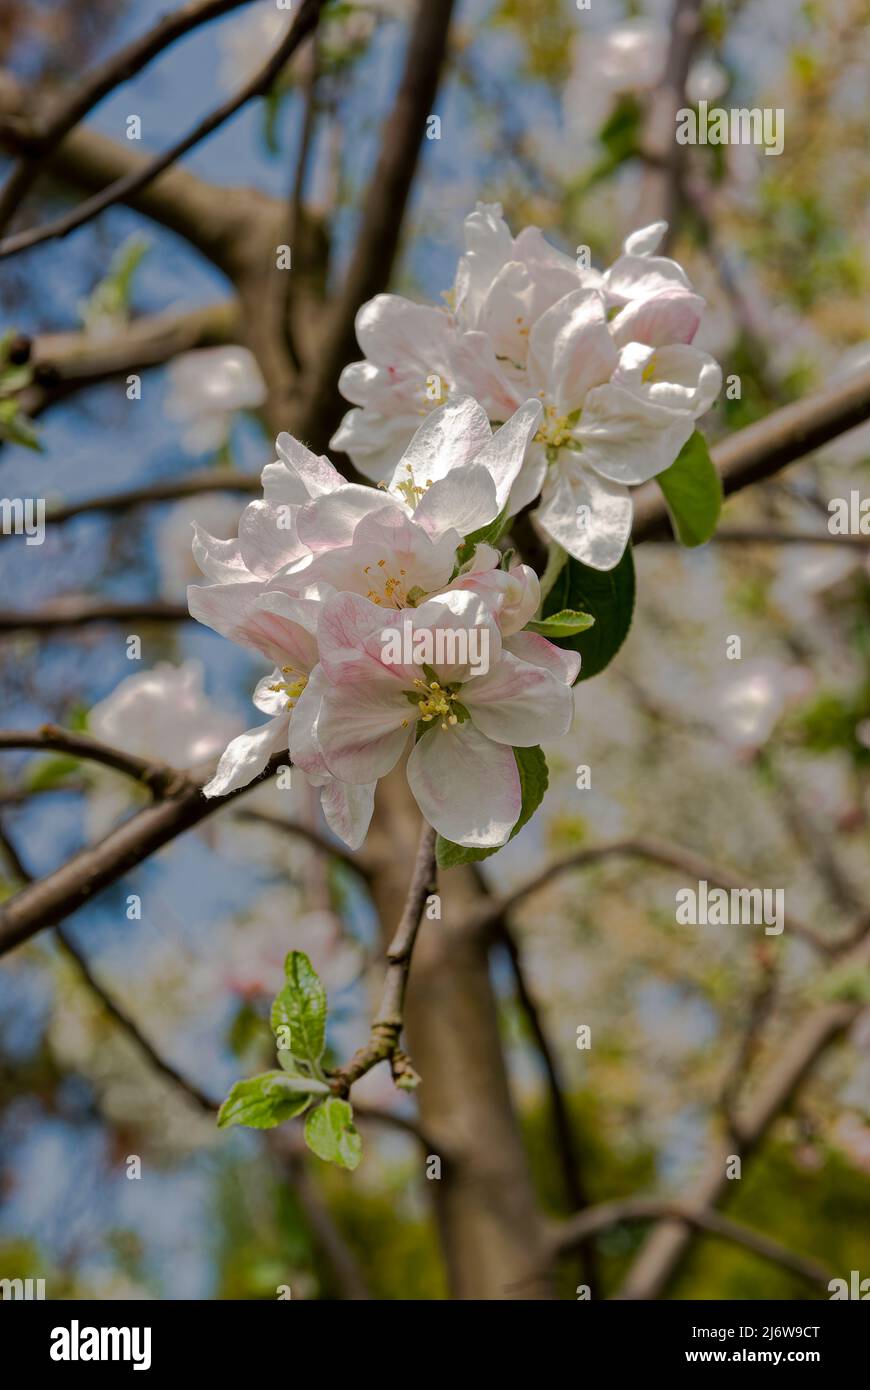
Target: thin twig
[
  {"x": 123, "y": 188},
  {"x": 159, "y": 778},
  {"x": 642, "y": 847},
  {"x": 604, "y": 1217},
  {"x": 387, "y": 1027},
  {"x": 118, "y": 68}
]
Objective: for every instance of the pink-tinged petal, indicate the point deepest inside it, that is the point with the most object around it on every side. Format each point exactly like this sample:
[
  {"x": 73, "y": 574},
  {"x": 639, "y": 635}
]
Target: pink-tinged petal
[
  {"x": 503, "y": 455},
  {"x": 247, "y": 756},
  {"x": 448, "y": 438},
  {"x": 348, "y": 810},
  {"x": 637, "y": 277},
  {"x": 268, "y": 538},
  {"x": 298, "y": 474},
  {"x": 392, "y": 331},
  {"x": 375, "y": 440},
  {"x": 672, "y": 316},
  {"x": 646, "y": 240},
  {"x": 589, "y": 516},
  {"x": 678, "y": 377},
  {"x": 535, "y": 649},
  {"x": 488, "y": 245},
  {"x": 553, "y": 273},
  {"x": 462, "y": 502},
  {"x": 362, "y": 729},
  {"x": 475, "y": 369},
  {"x": 305, "y": 749},
  {"x": 234, "y": 611},
  {"x": 220, "y": 561},
  {"x": 467, "y": 787},
  {"x": 465, "y": 630},
  {"x": 514, "y": 596},
  {"x": 518, "y": 704},
  {"x": 349, "y": 630},
  {"x": 298, "y": 617},
  {"x": 571, "y": 350},
  {"x": 331, "y": 521},
  {"x": 628, "y": 438}
]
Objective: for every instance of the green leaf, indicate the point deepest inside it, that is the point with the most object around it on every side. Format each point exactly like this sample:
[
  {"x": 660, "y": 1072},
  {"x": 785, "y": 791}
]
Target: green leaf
[
  {"x": 293, "y": 1068},
  {"x": 301, "y": 1007},
  {"x": 608, "y": 596},
  {"x": 15, "y": 427},
  {"x": 565, "y": 623},
  {"x": 532, "y": 767},
  {"x": 331, "y": 1133},
  {"x": 264, "y": 1101},
  {"x": 693, "y": 491},
  {"x": 486, "y": 535}
]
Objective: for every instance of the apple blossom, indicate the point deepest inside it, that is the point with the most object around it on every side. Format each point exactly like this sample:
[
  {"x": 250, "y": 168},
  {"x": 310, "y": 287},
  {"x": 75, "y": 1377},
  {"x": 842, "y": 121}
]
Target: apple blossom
[
  {"x": 607, "y": 355},
  {"x": 359, "y": 711},
  {"x": 206, "y": 388}
]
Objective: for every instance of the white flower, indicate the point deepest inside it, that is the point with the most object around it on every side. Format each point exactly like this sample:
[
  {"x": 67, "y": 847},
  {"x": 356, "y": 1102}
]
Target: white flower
[
  {"x": 607, "y": 355},
  {"x": 163, "y": 714},
  {"x": 217, "y": 510},
  {"x": 206, "y": 388},
  {"x": 748, "y": 705}
]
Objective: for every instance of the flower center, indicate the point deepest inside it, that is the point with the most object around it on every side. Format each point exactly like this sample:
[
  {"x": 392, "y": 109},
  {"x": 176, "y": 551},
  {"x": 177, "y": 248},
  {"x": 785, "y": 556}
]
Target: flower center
[
  {"x": 409, "y": 490},
  {"x": 292, "y": 689},
  {"x": 434, "y": 701},
  {"x": 385, "y": 589},
  {"x": 555, "y": 429}
]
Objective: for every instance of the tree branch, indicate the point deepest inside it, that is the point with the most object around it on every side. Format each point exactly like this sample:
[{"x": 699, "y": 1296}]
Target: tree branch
[
  {"x": 388, "y": 1024},
  {"x": 666, "y": 1247},
  {"x": 47, "y": 901},
  {"x": 380, "y": 227},
  {"x": 570, "y": 1234},
  {"x": 123, "y": 189},
  {"x": 760, "y": 450},
  {"x": 159, "y": 778},
  {"x": 75, "y": 612},
  {"x": 42, "y": 138},
  {"x": 694, "y": 866}
]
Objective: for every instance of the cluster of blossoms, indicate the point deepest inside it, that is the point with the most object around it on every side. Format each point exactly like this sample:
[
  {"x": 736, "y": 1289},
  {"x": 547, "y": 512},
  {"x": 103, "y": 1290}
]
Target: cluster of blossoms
[
  {"x": 391, "y": 619},
  {"x": 323, "y": 577},
  {"x": 608, "y": 355}
]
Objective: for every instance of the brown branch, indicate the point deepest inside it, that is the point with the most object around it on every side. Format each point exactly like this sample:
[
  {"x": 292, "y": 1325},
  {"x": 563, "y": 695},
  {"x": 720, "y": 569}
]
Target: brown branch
[
  {"x": 665, "y": 1249},
  {"x": 42, "y": 138},
  {"x": 46, "y": 902},
  {"x": 764, "y": 535},
  {"x": 760, "y": 450},
  {"x": 387, "y": 1027},
  {"x": 159, "y": 778},
  {"x": 75, "y": 612},
  {"x": 566, "y": 1145},
  {"x": 661, "y": 193},
  {"x": 194, "y": 485},
  {"x": 642, "y": 847},
  {"x": 133, "y": 182},
  {"x": 64, "y": 363},
  {"x": 604, "y": 1217},
  {"x": 377, "y": 238}
]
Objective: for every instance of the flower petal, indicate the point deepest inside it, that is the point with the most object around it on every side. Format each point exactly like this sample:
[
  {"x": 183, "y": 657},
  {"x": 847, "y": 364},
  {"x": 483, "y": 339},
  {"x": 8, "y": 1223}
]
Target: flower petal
[
  {"x": 589, "y": 516},
  {"x": 348, "y": 809},
  {"x": 448, "y": 438},
  {"x": 462, "y": 502},
  {"x": 571, "y": 350},
  {"x": 671, "y": 316},
  {"x": 467, "y": 787},
  {"x": 503, "y": 455},
  {"x": 535, "y": 649},
  {"x": 517, "y": 703},
  {"x": 246, "y": 757}
]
